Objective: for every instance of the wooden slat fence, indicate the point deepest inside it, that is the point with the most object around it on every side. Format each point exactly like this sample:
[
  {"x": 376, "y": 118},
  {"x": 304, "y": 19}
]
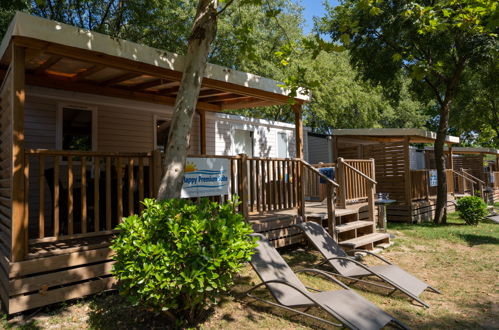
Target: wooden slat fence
[
  {"x": 390, "y": 165},
  {"x": 420, "y": 185}
]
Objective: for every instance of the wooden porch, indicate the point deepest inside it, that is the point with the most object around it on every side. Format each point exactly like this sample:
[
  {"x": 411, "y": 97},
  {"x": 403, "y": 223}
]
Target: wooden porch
[{"x": 390, "y": 148}]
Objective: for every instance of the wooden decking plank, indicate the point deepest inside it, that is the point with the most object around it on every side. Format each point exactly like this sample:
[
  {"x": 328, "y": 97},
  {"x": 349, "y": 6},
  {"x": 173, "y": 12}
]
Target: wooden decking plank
[
  {"x": 352, "y": 225},
  {"x": 366, "y": 239},
  {"x": 46, "y": 264},
  {"x": 45, "y": 281},
  {"x": 25, "y": 302}
]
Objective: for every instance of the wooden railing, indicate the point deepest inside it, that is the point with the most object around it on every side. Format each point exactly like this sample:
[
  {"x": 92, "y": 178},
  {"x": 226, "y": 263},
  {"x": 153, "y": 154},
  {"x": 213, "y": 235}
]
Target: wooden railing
[
  {"x": 474, "y": 181},
  {"x": 420, "y": 185},
  {"x": 357, "y": 181},
  {"x": 76, "y": 194},
  {"x": 355, "y": 177},
  {"x": 331, "y": 187},
  {"x": 314, "y": 189},
  {"x": 272, "y": 183}
]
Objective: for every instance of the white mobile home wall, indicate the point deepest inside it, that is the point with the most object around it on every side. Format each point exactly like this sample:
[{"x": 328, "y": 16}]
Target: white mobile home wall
[{"x": 130, "y": 126}]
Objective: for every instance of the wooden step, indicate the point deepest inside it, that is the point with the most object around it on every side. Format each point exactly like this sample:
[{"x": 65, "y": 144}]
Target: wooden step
[
  {"x": 364, "y": 240},
  {"x": 343, "y": 212},
  {"x": 353, "y": 225}
]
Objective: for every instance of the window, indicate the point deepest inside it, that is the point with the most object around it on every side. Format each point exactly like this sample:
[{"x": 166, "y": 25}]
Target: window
[
  {"x": 243, "y": 142},
  {"x": 76, "y": 128},
  {"x": 162, "y": 131},
  {"x": 282, "y": 145}
]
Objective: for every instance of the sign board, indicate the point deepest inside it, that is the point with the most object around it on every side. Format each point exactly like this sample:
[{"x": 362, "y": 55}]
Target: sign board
[
  {"x": 206, "y": 177},
  {"x": 433, "y": 178},
  {"x": 327, "y": 171}
]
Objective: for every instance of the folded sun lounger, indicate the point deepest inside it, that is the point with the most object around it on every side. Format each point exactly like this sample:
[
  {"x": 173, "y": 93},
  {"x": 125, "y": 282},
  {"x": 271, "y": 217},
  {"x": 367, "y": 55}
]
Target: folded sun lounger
[
  {"x": 345, "y": 305},
  {"x": 345, "y": 266}
]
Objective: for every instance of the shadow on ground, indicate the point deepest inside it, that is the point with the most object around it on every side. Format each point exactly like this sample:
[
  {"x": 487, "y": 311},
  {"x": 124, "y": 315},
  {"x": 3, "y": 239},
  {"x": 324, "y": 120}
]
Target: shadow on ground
[{"x": 473, "y": 239}]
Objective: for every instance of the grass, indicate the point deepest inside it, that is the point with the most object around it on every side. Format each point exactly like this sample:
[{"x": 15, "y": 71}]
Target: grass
[{"x": 459, "y": 260}]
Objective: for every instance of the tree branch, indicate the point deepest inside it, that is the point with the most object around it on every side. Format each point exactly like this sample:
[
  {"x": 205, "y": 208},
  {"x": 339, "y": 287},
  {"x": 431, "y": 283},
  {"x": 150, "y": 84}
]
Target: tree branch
[
  {"x": 230, "y": 2},
  {"x": 105, "y": 15}
]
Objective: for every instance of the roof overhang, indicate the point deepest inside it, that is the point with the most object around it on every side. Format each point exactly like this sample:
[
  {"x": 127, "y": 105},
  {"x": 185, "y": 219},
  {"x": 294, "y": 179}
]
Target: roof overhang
[
  {"x": 415, "y": 135},
  {"x": 67, "y": 57}
]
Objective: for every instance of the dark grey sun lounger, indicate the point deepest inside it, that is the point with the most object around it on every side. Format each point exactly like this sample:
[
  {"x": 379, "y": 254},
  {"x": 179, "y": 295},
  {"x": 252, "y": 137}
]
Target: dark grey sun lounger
[
  {"x": 345, "y": 305},
  {"x": 345, "y": 266}
]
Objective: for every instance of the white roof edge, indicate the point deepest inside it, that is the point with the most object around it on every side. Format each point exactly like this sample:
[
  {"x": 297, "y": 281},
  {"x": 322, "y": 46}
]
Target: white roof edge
[
  {"x": 393, "y": 132},
  {"x": 250, "y": 120},
  {"x": 26, "y": 25},
  {"x": 491, "y": 151}
]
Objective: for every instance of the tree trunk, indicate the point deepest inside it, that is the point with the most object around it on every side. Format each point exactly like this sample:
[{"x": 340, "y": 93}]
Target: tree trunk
[
  {"x": 202, "y": 35},
  {"x": 443, "y": 125},
  {"x": 440, "y": 209}
]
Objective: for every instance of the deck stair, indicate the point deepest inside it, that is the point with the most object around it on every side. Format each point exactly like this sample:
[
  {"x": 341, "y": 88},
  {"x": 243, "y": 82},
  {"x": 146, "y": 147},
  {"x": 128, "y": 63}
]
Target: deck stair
[
  {"x": 365, "y": 240},
  {"x": 353, "y": 227}
]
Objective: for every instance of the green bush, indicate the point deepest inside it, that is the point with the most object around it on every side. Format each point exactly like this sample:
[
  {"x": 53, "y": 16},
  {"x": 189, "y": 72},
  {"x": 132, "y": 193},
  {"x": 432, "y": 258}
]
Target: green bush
[
  {"x": 472, "y": 209},
  {"x": 178, "y": 256}
]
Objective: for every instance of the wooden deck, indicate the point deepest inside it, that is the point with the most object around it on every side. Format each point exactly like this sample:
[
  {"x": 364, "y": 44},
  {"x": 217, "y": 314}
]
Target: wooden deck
[{"x": 353, "y": 228}]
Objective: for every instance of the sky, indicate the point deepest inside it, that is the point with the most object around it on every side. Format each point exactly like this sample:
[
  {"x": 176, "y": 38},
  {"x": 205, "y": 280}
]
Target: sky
[{"x": 313, "y": 8}]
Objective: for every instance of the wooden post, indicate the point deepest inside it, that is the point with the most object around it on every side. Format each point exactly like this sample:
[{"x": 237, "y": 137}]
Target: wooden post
[
  {"x": 371, "y": 191},
  {"x": 243, "y": 191},
  {"x": 19, "y": 225},
  {"x": 450, "y": 163},
  {"x": 342, "y": 182},
  {"x": 156, "y": 161},
  {"x": 407, "y": 172},
  {"x": 298, "y": 130},
  {"x": 202, "y": 130},
  {"x": 330, "y": 211},
  {"x": 335, "y": 148},
  {"x": 301, "y": 190}
]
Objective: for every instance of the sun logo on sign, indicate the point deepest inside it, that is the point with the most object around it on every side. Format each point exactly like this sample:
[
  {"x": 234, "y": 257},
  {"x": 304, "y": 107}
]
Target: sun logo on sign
[{"x": 190, "y": 167}]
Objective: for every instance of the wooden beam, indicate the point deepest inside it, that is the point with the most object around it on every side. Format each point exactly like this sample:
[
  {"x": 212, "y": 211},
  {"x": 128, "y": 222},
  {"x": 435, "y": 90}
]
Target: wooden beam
[
  {"x": 47, "y": 64},
  {"x": 229, "y": 97},
  {"x": 298, "y": 130},
  {"x": 19, "y": 226},
  {"x": 85, "y": 87},
  {"x": 168, "y": 91},
  {"x": 120, "y": 78},
  {"x": 149, "y": 84},
  {"x": 211, "y": 93},
  {"x": 90, "y": 71},
  {"x": 202, "y": 130}
]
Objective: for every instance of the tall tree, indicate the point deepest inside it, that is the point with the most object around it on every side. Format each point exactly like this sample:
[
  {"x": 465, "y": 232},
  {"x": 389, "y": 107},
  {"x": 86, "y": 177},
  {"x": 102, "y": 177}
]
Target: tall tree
[
  {"x": 433, "y": 41},
  {"x": 202, "y": 35},
  {"x": 476, "y": 115}
]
